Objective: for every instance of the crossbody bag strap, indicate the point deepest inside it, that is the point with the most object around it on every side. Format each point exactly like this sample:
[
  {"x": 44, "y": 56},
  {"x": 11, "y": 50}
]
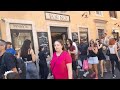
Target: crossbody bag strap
[{"x": 56, "y": 61}]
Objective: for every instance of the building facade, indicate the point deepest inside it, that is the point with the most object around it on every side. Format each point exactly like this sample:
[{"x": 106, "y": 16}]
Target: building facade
[{"x": 44, "y": 27}]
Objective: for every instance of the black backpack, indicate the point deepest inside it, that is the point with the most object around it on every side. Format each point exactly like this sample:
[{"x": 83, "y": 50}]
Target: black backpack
[{"x": 20, "y": 65}]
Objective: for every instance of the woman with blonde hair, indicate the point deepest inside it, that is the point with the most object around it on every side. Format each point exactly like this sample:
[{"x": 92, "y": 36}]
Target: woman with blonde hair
[{"x": 93, "y": 59}]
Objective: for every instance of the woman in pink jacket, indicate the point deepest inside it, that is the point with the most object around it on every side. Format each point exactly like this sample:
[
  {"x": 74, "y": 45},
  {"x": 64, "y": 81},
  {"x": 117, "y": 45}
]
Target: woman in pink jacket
[{"x": 61, "y": 63}]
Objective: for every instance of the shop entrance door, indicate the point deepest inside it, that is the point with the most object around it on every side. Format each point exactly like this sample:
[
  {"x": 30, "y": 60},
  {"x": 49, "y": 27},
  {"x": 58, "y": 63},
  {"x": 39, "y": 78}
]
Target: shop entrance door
[{"x": 58, "y": 33}]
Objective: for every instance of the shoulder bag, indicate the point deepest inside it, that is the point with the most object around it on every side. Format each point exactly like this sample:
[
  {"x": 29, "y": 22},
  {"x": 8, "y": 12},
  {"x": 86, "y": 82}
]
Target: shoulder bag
[{"x": 50, "y": 76}]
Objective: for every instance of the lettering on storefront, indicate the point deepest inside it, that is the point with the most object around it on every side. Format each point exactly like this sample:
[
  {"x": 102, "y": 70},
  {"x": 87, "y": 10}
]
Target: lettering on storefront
[
  {"x": 20, "y": 26},
  {"x": 57, "y": 17},
  {"x": 83, "y": 30}
]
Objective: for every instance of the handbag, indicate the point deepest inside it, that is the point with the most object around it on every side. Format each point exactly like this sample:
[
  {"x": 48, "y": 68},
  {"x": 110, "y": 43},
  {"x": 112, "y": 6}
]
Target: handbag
[
  {"x": 108, "y": 52},
  {"x": 85, "y": 65}
]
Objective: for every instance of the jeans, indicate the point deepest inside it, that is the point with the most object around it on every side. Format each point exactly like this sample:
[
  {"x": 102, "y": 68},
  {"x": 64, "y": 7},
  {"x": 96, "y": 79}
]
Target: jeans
[
  {"x": 44, "y": 70},
  {"x": 113, "y": 58},
  {"x": 31, "y": 71}
]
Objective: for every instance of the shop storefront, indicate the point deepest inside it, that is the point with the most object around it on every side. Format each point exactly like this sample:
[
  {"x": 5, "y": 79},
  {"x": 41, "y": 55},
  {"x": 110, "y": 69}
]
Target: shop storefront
[
  {"x": 43, "y": 27},
  {"x": 58, "y": 28},
  {"x": 16, "y": 31}
]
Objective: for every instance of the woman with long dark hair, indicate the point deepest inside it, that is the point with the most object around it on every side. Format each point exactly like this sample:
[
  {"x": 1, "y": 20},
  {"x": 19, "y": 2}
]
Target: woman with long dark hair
[{"x": 28, "y": 55}]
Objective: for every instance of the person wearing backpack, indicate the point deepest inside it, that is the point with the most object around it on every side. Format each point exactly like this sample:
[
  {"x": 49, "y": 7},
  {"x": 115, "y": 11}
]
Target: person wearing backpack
[{"x": 7, "y": 61}]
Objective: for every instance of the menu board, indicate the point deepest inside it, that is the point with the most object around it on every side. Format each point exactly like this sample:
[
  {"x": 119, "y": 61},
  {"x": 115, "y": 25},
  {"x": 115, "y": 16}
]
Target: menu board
[{"x": 43, "y": 41}]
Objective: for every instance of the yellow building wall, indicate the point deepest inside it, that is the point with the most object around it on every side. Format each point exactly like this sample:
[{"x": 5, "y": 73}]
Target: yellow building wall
[
  {"x": 76, "y": 21},
  {"x": 2, "y": 29}
]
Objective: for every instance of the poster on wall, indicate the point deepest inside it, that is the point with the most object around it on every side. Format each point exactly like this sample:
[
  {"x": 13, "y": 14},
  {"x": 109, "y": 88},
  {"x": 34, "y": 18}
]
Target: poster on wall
[
  {"x": 75, "y": 37},
  {"x": 43, "y": 41}
]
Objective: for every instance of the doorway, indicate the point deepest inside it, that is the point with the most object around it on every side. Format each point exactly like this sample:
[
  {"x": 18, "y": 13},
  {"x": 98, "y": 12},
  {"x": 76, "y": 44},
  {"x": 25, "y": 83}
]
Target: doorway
[{"x": 58, "y": 33}]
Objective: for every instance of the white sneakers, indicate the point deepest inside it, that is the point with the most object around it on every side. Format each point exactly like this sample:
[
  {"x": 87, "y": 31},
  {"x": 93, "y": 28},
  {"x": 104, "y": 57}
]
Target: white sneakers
[
  {"x": 81, "y": 69},
  {"x": 114, "y": 76},
  {"x": 85, "y": 74},
  {"x": 78, "y": 67},
  {"x": 105, "y": 70}
]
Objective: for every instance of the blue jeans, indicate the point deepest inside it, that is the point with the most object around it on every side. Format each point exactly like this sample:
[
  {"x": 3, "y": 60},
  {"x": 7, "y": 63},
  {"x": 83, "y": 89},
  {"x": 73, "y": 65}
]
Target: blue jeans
[{"x": 31, "y": 71}]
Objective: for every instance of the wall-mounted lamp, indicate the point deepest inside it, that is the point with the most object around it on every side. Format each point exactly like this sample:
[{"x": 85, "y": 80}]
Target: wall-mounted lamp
[
  {"x": 115, "y": 24},
  {"x": 2, "y": 19},
  {"x": 85, "y": 15}
]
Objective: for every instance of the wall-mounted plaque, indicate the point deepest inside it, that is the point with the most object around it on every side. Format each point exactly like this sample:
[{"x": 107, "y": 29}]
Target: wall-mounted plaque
[
  {"x": 57, "y": 17},
  {"x": 20, "y": 26}
]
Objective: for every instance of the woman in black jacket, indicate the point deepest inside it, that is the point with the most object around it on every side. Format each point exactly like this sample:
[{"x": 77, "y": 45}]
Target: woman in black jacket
[{"x": 44, "y": 71}]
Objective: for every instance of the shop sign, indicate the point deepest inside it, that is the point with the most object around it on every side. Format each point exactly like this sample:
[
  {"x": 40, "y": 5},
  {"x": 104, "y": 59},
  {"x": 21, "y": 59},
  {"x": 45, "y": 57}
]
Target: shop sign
[
  {"x": 57, "y": 17},
  {"x": 20, "y": 26}
]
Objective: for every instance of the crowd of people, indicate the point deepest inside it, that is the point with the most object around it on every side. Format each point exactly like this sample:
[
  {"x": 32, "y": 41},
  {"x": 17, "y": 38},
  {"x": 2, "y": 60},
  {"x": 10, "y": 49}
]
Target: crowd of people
[
  {"x": 65, "y": 61},
  {"x": 99, "y": 53},
  {"x": 22, "y": 64}
]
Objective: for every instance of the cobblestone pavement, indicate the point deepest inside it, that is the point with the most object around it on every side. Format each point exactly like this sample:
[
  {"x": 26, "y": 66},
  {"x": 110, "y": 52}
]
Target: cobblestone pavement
[{"x": 107, "y": 75}]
